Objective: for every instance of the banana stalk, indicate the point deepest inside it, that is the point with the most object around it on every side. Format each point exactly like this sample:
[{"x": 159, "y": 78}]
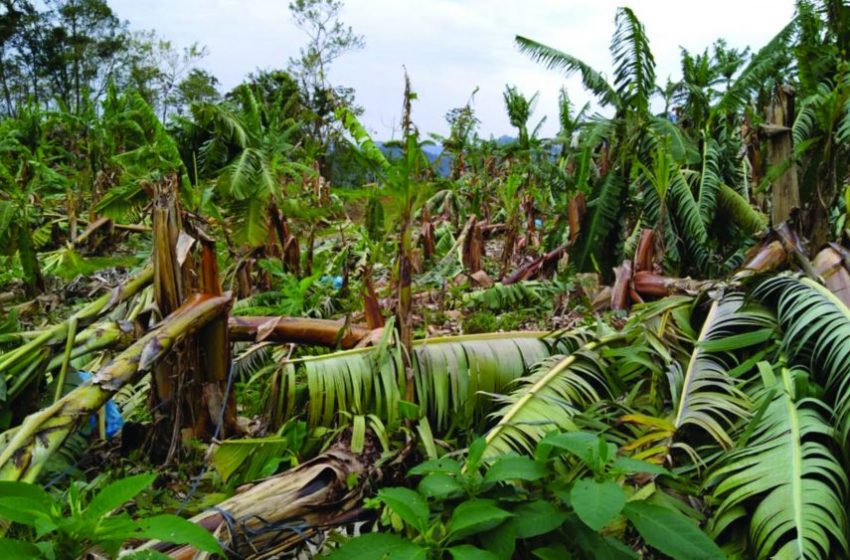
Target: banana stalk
[
  {"x": 10, "y": 361},
  {"x": 28, "y": 446}
]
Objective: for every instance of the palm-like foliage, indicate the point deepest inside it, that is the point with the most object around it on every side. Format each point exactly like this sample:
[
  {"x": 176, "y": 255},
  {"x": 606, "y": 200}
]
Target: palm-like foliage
[
  {"x": 251, "y": 152},
  {"x": 451, "y": 375},
  {"x": 789, "y": 467},
  {"x": 816, "y": 333},
  {"x": 548, "y": 399}
]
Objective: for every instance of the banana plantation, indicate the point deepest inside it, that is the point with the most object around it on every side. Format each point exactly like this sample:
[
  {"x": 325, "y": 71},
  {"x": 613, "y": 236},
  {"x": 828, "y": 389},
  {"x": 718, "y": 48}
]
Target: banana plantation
[{"x": 240, "y": 324}]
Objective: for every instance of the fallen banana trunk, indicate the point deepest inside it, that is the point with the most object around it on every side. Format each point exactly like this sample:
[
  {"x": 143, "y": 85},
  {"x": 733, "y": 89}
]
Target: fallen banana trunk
[
  {"x": 318, "y": 332},
  {"x": 280, "y": 513},
  {"x": 24, "y": 449},
  {"x": 531, "y": 270},
  {"x": 656, "y": 285}
]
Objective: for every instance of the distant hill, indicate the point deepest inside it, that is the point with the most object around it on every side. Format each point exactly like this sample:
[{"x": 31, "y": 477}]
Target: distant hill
[{"x": 431, "y": 152}]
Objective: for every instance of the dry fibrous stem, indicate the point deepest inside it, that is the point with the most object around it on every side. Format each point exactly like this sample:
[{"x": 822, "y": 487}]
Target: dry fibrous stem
[{"x": 278, "y": 513}]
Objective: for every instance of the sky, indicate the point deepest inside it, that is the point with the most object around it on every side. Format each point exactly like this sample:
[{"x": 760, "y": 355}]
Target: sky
[{"x": 452, "y": 47}]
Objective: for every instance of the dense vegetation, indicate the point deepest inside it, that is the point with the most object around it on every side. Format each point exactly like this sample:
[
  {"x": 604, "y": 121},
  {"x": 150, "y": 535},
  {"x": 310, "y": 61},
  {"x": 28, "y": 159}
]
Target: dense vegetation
[{"x": 236, "y": 324}]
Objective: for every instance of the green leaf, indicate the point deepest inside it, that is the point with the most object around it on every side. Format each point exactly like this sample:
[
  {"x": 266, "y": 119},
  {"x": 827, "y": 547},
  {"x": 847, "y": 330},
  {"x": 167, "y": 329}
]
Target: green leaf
[
  {"x": 441, "y": 465},
  {"x": 117, "y": 494},
  {"x": 629, "y": 465},
  {"x": 474, "y": 516},
  {"x": 230, "y": 455},
  {"x": 597, "y": 503},
  {"x": 174, "y": 529},
  {"x": 595, "y": 545},
  {"x": 469, "y": 552},
  {"x": 27, "y": 512},
  {"x": 737, "y": 341},
  {"x": 536, "y": 518},
  {"x": 409, "y": 505},
  {"x": 556, "y": 552},
  {"x": 581, "y": 444},
  {"x": 146, "y": 555},
  {"x": 378, "y": 546},
  {"x": 476, "y": 452},
  {"x": 514, "y": 467},
  {"x": 440, "y": 485},
  {"x": 671, "y": 532},
  {"x": 26, "y": 490},
  {"x": 19, "y": 550},
  {"x": 500, "y": 540}
]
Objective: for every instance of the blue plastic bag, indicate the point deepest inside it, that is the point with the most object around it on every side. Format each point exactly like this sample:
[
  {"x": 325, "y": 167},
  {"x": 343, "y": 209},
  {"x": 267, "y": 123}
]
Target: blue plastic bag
[{"x": 114, "y": 421}]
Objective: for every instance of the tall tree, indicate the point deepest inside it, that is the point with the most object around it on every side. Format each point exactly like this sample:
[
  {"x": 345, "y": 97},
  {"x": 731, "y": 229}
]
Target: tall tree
[{"x": 328, "y": 38}]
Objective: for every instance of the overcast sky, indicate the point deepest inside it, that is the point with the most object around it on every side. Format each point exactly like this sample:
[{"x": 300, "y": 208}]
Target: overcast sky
[{"x": 450, "y": 47}]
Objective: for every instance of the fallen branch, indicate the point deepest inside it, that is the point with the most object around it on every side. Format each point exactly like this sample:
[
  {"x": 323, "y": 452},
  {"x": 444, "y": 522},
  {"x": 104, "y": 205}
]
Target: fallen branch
[{"x": 534, "y": 268}]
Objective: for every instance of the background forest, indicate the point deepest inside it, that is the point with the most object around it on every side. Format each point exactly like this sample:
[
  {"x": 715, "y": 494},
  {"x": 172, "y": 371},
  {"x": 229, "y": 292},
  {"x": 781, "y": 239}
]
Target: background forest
[{"x": 235, "y": 324}]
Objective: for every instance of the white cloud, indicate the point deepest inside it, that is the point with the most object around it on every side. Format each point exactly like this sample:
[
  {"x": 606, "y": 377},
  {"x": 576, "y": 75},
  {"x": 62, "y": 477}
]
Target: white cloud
[{"x": 451, "y": 46}]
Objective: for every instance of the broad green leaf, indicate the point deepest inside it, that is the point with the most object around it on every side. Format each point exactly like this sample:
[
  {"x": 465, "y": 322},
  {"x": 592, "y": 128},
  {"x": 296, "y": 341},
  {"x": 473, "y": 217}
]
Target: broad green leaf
[
  {"x": 476, "y": 451},
  {"x": 174, "y": 529},
  {"x": 500, "y": 540},
  {"x": 440, "y": 485},
  {"x": 18, "y": 550},
  {"x": 514, "y": 467},
  {"x": 409, "y": 505},
  {"x": 629, "y": 465},
  {"x": 536, "y": 518},
  {"x": 378, "y": 546},
  {"x": 474, "y": 516},
  {"x": 26, "y": 490},
  {"x": 117, "y": 494},
  {"x": 581, "y": 444},
  {"x": 597, "y": 503},
  {"x": 469, "y": 552},
  {"x": 26, "y": 511},
  {"x": 595, "y": 545},
  {"x": 671, "y": 532}
]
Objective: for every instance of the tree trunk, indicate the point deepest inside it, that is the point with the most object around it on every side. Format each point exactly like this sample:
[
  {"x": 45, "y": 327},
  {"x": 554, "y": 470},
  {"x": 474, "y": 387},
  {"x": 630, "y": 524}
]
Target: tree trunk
[
  {"x": 785, "y": 189},
  {"x": 189, "y": 389}
]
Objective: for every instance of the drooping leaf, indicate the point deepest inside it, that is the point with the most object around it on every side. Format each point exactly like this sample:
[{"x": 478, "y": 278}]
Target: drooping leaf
[
  {"x": 469, "y": 552},
  {"x": 409, "y": 505},
  {"x": 117, "y": 494},
  {"x": 671, "y": 532}
]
